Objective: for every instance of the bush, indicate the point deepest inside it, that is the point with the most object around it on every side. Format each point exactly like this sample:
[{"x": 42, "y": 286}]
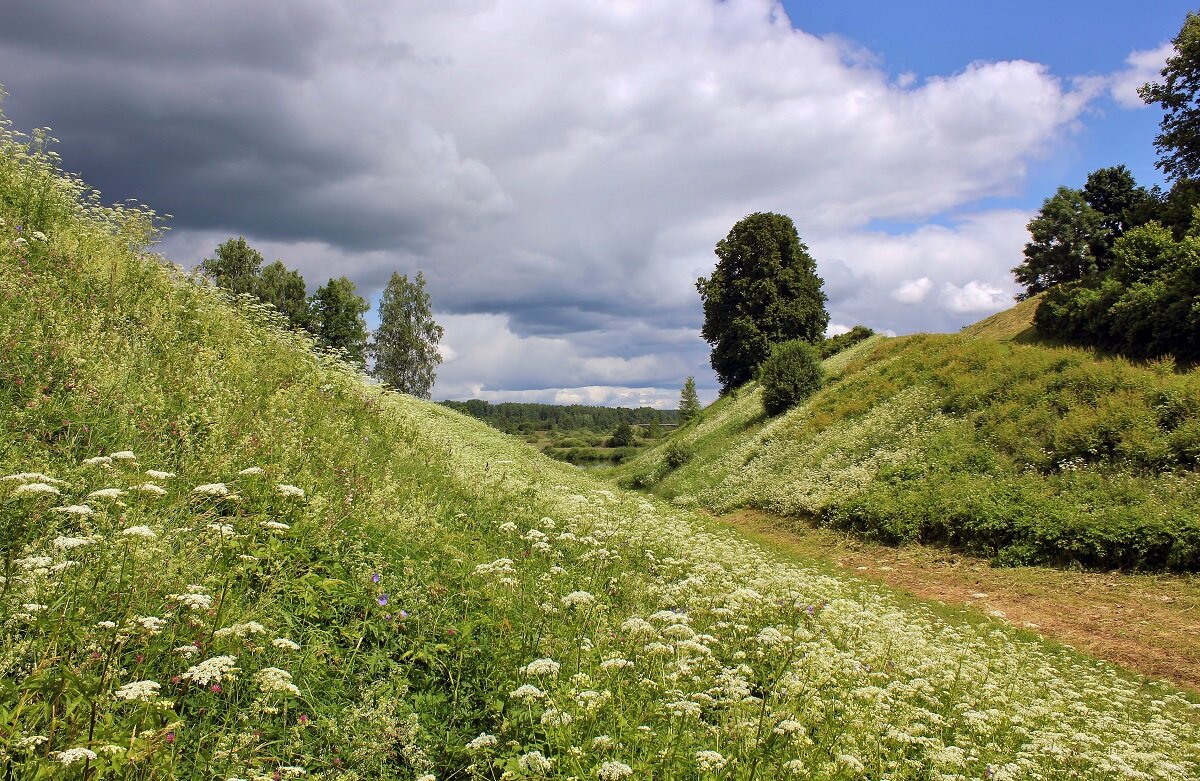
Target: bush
[
  {"x": 677, "y": 454},
  {"x": 791, "y": 373},
  {"x": 835, "y": 344}
]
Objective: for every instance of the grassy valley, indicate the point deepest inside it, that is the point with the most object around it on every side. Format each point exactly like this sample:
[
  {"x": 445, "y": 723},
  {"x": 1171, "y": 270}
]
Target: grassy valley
[{"x": 227, "y": 555}]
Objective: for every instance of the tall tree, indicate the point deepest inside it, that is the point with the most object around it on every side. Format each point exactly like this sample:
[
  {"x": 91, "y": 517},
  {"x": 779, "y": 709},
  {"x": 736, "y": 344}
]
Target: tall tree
[
  {"x": 1069, "y": 242},
  {"x": 1178, "y": 141},
  {"x": 405, "y": 346},
  {"x": 1122, "y": 204},
  {"x": 764, "y": 290},
  {"x": 337, "y": 312},
  {"x": 286, "y": 291},
  {"x": 689, "y": 402},
  {"x": 235, "y": 266}
]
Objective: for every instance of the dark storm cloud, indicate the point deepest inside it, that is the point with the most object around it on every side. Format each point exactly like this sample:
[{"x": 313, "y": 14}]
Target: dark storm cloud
[{"x": 560, "y": 171}]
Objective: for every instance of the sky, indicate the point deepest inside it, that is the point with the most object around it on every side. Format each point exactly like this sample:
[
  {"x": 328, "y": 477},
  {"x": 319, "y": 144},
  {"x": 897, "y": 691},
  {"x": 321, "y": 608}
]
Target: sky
[{"x": 561, "y": 170}]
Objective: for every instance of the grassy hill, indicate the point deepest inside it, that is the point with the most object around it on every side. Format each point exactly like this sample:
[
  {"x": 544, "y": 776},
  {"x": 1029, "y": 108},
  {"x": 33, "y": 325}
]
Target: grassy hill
[
  {"x": 228, "y": 557},
  {"x": 983, "y": 440}
]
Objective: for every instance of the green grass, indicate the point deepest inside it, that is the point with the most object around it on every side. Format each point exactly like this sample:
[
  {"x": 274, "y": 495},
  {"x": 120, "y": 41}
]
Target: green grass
[
  {"x": 440, "y": 602},
  {"x": 1024, "y": 452}
]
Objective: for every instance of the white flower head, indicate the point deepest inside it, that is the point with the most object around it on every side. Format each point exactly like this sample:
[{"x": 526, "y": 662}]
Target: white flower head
[
  {"x": 212, "y": 670},
  {"x": 123, "y": 455},
  {"x": 534, "y": 763},
  {"x": 211, "y": 489},
  {"x": 578, "y": 599},
  {"x": 67, "y": 543},
  {"x": 150, "y": 488},
  {"x": 273, "y": 680},
  {"x": 613, "y": 771},
  {"x": 710, "y": 761},
  {"x": 285, "y": 644},
  {"x": 484, "y": 740},
  {"x": 107, "y": 493},
  {"x": 158, "y": 474},
  {"x": 32, "y": 489},
  {"x": 97, "y": 461},
  {"x": 138, "y": 691},
  {"x": 542, "y": 667},
  {"x": 33, "y": 477},
  {"x": 74, "y": 509},
  {"x": 274, "y": 526},
  {"x": 73, "y": 755},
  {"x": 139, "y": 531},
  {"x": 251, "y": 470},
  {"x": 527, "y": 693},
  {"x": 290, "y": 490}
]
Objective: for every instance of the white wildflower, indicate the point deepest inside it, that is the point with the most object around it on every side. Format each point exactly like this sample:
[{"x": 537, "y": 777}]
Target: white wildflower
[
  {"x": 211, "y": 489},
  {"x": 194, "y": 600},
  {"x": 38, "y": 235},
  {"x": 152, "y": 624},
  {"x": 97, "y": 461},
  {"x": 33, "y": 607},
  {"x": 28, "y": 489},
  {"x": 534, "y": 763},
  {"x": 499, "y": 566},
  {"x": 212, "y": 670},
  {"x": 150, "y": 488},
  {"x": 274, "y": 526},
  {"x": 615, "y": 663},
  {"x": 67, "y": 543},
  {"x": 242, "y": 630},
  {"x": 32, "y": 741},
  {"x": 140, "y": 691},
  {"x": 30, "y": 563},
  {"x": 33, "y": 477},
  {"x": 527, "y": 693},
  {"x": 710, "y": 761},
  {"x": 123, "y": 455},
  {"x": 74, "y": 509},
  {"x": 107, "y": 493},
  {"x": 290, "y": 490},
  {"x": 223, "y": 529},
  {"x": 251, "y": 470},
  {"x": 187, "y": 651},
  {"x": 285, "y": 644},
  {"x": 553, "y": 717},
  {"x": 139, "y": 531},
  {"x": 484, "y": 740},
  {"x": 578, "y": 599},
  {"x": 106, "y": 625},
  {"x": 73, "y": 755},
  {"x": 273, "y": 680},
  {"x": 158, "y": 474},
  {"x": 603, "y": 743},
  {"x": 540, "y": 667},
  {"x": 613, "y": 771},
  {"x": 508, "y": 527}
]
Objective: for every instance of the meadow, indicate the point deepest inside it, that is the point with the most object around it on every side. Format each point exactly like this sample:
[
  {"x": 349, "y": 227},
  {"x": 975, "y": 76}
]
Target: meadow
[{"x": 229, "y": 556}]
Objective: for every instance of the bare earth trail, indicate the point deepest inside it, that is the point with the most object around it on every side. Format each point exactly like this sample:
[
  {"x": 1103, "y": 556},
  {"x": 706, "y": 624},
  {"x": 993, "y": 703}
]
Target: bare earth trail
[{"x": 1146, "y": 623}]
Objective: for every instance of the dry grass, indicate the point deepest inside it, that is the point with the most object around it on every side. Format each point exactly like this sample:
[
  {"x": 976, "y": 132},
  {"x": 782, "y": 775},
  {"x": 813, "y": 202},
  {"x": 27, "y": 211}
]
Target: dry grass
[{"x": 1011, "y": 325}]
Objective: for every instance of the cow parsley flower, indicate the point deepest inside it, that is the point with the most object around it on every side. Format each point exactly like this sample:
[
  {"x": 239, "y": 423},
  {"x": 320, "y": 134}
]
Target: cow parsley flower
[
  {"x": 285, "y": 644},
  {"x": 212, "y": 670},
  {"x": 710, "y": 761},
  {"x": 138, "y": 691},
  {"x": 107, "y": 493},
  {"x": 251, "y": 470},
  {"x": 542, "y": 667},
  {"x": 152, "y": 624},
  {"x": 613, "y": 771},
  {"x": 578, "y": 599},
  {"x": 195, "y": 600},
  {"x": 139, "y": 531},
  {"x": 290, "y": 490},
  {"x": 123, "y": 455},
  {"x": 482, "y": 741},
  {"x": 211, "y": 489},
  {"x": 30, "y": 489},
  {"x": 526, "y": 693},
  {"x": 67, "y": 543},
  {"x": 242, "y": 630},
  {"x": 150, "y": 488},
  {"x": 32, "y": 741},
  {"x": 34, "y": 477},
  {"x": 273, "y": 680},
  {"x": 74, "y": 509},
  {"x": 534, "y": 763},
  {"x": 73, "y": 755},
  {"x": 97, "y": 461},
  {"x": 159, "y": 475},
  {"x": 274, "y": 526}
]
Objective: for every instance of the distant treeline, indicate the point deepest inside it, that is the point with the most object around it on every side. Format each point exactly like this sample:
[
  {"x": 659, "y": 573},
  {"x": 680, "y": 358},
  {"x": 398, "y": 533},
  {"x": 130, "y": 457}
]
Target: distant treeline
[{"x": 510, "y": 416}]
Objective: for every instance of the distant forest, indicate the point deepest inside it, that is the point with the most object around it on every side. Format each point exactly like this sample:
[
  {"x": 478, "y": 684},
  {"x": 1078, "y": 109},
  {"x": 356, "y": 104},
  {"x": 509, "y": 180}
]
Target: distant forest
[{"x": 519, "y": 416}]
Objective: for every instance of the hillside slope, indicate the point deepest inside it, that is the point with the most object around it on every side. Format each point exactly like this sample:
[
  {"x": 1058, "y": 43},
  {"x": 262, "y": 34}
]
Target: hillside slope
[
  {"x": 226, "y": 557},
  {"x": 1024, "y": 452}
]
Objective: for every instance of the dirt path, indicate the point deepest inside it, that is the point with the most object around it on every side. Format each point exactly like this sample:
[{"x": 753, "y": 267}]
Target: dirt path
[{"x": 1146, "y": 623}]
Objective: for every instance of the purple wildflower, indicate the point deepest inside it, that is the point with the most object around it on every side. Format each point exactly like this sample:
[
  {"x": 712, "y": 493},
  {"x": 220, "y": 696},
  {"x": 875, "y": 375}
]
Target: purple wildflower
[
  {"x": 383, "y": 599},
  {"x": 375, "y": 578}
]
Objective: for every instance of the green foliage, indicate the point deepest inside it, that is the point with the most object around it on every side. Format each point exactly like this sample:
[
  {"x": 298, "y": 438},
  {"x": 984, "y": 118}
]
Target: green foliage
[
  {"x": 285, "y": 290},
  {"x": 338, "y": 322},
  {"x": 835, "y": 344},
  {"x": 1069, "y": 242},
  {"x": 764, "y": 290},
  {"x": 689, "y": 402},
  {"x": 1178, "y": 93},
  {"x": 235, "y": 266},
  {"x": 405, "y": 344},
  {"x": 508, "y": 415},
  {"x": 1142, "y": 308},
  {"x": 623, "y": 435},
  {"x": 677, "y": 454},
  {"x": 791, "y": 373}
]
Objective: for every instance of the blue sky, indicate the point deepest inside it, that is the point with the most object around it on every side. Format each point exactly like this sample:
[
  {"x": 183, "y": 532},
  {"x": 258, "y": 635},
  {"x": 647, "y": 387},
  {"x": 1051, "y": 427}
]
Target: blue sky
[
  {"x": 562, "y": 169},
  {"x": 1074, "y": 38}
]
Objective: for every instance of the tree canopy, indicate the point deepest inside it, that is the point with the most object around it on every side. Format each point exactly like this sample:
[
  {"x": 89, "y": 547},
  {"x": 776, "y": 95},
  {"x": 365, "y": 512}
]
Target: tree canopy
[
  {"x": 285, "y": 290},
  {"x": 235, "y": 266},
  {"x": 1069, "y": 241},
  {"x": 1178, "y": 141},
  {"x": 689, "y": 402},
  {"x": 405, "y": 346},
  {"x": 764, "y": 290},
  {"x": 338, "y": 318}
]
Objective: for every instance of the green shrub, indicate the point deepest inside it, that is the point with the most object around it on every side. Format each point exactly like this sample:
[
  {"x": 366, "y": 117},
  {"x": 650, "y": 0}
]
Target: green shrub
[
  {"x": 791, "y": 373},
  {"x": 677, "y": 454},
  {"x": 836, "y": 344}
]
